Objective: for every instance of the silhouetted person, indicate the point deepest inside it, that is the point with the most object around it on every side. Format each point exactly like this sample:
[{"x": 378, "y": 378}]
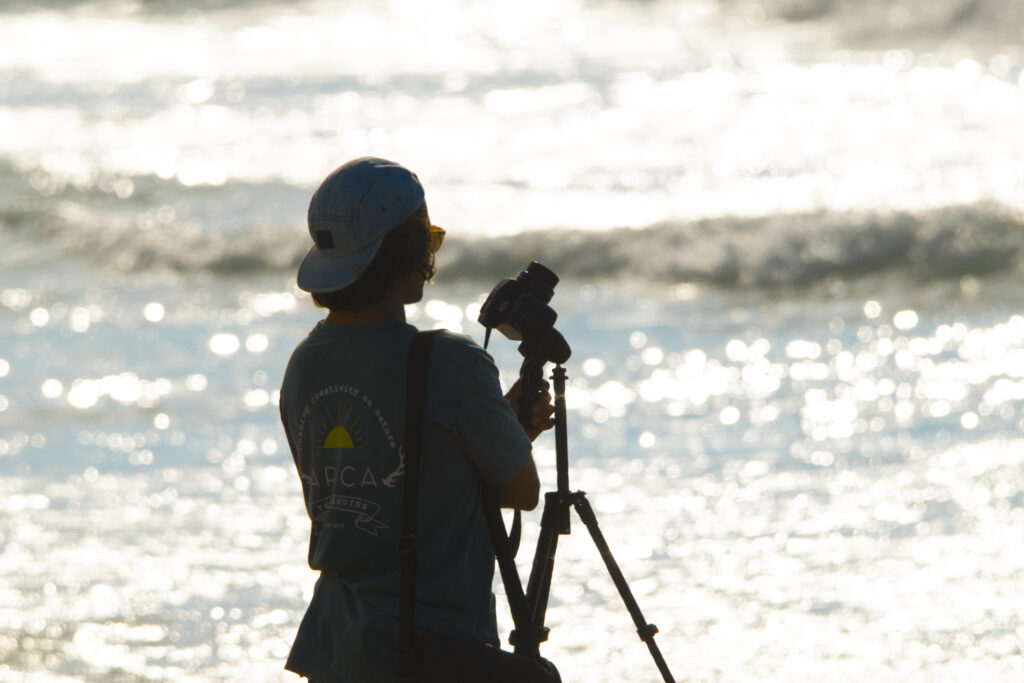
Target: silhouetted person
[{"x": 343, "y": 410}]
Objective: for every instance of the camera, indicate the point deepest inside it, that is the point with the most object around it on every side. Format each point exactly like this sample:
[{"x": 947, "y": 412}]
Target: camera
[{"x": 518, "y": 308}]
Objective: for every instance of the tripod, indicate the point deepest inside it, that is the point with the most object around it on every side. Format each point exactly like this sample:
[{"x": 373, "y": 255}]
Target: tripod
[{"x": 554, "y": 523}]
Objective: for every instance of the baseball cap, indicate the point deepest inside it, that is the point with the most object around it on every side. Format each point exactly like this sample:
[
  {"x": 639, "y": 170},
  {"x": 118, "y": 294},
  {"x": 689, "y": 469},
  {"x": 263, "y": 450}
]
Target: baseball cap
[{"x": 349, "y": 215}]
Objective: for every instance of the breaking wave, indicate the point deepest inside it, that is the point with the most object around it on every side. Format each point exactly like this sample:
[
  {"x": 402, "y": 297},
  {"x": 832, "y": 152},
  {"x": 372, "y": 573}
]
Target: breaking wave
[
  {"x": 771, "y": 251},
  {"x": 905, "y": 23},
  {"x": 908, "y": 23},
  {"x": 145, "y": 233}
]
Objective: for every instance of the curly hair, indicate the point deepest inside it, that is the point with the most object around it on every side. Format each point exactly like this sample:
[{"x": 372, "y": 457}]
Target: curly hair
[{"x": 405, "y": 249}]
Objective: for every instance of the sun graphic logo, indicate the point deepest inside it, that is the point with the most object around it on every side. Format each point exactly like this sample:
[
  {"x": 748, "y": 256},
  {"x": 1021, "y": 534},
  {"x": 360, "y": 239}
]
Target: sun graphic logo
[
  {"x": 340, "y": 430},
  {"x": 339, "y": 438}
]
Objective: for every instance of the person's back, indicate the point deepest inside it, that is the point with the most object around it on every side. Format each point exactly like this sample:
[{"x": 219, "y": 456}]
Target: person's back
[
  {"x": 343, "y": 410},
  {"x": 342, "y": 402}
]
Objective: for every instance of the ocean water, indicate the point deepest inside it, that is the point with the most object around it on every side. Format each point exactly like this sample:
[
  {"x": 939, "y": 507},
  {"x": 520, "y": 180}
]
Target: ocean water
[{"x": 790, "y": 239}]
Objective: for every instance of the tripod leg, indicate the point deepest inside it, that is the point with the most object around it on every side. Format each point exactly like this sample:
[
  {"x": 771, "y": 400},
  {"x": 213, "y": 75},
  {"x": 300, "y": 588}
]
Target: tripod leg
[
  {"x": 644, "y": 630},
  {"x": 539, "y": 587}
]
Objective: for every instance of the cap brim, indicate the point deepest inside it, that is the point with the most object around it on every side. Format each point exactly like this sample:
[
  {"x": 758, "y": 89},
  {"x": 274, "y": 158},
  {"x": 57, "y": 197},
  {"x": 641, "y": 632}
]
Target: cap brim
[{"x": 319, "y": 273}]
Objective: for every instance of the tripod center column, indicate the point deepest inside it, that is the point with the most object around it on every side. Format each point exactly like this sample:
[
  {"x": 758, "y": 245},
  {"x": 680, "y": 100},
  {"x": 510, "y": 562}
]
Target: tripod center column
[{"x": 558, "y": 376}]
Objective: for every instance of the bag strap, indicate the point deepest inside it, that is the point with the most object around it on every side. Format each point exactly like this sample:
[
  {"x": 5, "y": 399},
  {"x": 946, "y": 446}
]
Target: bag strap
[
  {"x": 506, "y": 547},
  {"x": 415, "y": 401}
]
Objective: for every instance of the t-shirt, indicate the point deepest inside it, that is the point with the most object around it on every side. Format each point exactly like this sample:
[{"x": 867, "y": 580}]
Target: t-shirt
[{"x": 343, "y": 410}]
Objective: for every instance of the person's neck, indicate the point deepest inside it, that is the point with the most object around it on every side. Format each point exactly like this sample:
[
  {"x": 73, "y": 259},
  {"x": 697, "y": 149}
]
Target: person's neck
[{"x": 389, "y": 310}]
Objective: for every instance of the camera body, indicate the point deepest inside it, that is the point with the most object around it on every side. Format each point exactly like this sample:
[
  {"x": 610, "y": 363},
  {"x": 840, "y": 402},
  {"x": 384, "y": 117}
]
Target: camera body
[{"x": 518, "y": 308}]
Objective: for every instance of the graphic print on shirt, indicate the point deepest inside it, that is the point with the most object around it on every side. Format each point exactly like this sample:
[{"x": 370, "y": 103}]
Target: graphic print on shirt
[{"x": 354, "y": 454}]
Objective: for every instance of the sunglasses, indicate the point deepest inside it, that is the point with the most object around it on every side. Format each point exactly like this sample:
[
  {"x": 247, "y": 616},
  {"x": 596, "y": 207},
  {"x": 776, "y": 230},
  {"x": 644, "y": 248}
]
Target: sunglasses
[{"x": 436, "y": 238}]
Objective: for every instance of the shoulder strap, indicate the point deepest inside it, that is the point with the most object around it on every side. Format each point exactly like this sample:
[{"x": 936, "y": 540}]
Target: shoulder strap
[
  {"x": 415, "y": 400},
  {"x": 506, "y": 547}
]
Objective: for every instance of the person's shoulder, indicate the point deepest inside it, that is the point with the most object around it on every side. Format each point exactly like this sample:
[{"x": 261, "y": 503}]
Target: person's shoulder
[
  {"x": 455, "y": 339},
  {"x": 302, "y": 347},
  {"x": 315, "y": 336},
  {"x": 456, "y": 342},
  {"x": 454, "y": 347}
]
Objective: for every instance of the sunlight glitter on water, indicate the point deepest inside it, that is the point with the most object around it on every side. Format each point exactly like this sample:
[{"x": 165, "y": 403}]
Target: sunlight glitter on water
[
  {"x": 126, "y": 387},
  {"x": 155, "y": 625},
  {"x": 862, "y": 546},
  {"x": 732, "y": 538},
  {"x": 947, "y": 371},
  {"x": 895, "y": 115}
]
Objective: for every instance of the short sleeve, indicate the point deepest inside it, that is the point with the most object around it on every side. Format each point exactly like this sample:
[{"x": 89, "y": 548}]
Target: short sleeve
[{"x": 473, "y": 407}]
